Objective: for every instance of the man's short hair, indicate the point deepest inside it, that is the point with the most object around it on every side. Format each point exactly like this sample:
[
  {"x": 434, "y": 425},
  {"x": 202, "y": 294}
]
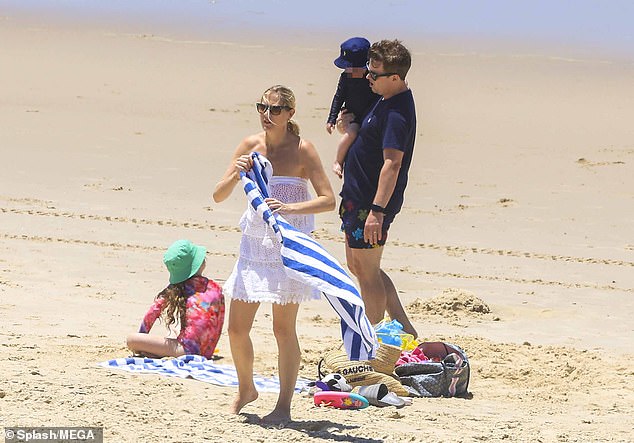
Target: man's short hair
[{"x": 394, "y": 56}]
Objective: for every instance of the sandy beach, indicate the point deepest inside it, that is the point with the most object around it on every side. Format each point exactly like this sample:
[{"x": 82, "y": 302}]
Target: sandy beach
[{"x": 521, "y": 199}]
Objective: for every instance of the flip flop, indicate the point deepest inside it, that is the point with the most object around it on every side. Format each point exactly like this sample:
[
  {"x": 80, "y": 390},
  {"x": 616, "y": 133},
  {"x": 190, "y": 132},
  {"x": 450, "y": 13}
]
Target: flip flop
[
  {"x": 379, "y": 395},
  {"x": 340, "y": 400}
]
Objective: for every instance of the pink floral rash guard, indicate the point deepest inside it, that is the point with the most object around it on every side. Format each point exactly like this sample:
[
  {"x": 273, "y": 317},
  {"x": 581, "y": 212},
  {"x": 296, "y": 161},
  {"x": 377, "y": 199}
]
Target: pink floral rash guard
[{"x": 205, "y": 316}]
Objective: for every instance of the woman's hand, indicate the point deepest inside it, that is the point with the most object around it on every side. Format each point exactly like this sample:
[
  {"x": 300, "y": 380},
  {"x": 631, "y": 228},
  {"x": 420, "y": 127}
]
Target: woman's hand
[
  {"x": 231, "y": 177},
  {"x": 277, "y": 206},
  {"x": 243, "y": 164}
]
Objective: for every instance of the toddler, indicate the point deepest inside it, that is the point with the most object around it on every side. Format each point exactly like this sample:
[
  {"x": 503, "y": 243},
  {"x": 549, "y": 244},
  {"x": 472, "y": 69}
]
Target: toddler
[{"x": 353, "y": 95}]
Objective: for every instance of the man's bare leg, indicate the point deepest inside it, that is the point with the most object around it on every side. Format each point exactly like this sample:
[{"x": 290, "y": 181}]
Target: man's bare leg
[
  {"x": 395, "y": 307},
  {"x": 365, "y": 265}
]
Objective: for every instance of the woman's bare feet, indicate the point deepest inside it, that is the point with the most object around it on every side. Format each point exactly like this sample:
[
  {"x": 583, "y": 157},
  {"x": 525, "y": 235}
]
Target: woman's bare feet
[
  {"x": 242, "y": 399},
  {"x": 277, "y": 417}
]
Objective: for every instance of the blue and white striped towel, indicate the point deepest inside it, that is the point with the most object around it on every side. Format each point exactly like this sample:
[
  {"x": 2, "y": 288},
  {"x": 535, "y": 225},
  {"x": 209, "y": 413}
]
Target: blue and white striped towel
[
  {"x": 306, "y": 260},
  {"x": 196, "y": 367}
]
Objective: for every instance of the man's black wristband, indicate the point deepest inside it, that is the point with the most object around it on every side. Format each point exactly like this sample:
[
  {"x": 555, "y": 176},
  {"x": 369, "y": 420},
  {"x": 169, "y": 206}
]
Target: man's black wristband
[{"x": 377, "y": 208}]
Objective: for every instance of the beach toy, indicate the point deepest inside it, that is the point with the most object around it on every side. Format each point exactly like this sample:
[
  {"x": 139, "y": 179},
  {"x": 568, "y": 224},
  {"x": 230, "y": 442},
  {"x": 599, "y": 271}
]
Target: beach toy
[
  {"x": 340, "y": 400},
  {"x": 390, "y": 332},
  {"x": 408, "y": 342}
]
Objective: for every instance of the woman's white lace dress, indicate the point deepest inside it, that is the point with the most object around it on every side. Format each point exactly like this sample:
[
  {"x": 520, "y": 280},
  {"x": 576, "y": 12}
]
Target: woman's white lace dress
[{"x": 258, "y": 275}]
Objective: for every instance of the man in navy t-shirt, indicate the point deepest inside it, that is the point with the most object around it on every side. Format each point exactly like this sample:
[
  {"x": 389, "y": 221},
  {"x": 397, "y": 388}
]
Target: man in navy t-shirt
[{"x": 375, "y": 177}]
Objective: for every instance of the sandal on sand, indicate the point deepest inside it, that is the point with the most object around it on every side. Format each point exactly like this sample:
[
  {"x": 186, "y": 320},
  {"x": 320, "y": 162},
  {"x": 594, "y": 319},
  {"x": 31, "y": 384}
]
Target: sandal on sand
[{"x": 379, "y": 395}]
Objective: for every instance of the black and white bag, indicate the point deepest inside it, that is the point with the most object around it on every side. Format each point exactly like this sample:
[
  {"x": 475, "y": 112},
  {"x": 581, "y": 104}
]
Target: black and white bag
[{"x": 445, "y": 374}]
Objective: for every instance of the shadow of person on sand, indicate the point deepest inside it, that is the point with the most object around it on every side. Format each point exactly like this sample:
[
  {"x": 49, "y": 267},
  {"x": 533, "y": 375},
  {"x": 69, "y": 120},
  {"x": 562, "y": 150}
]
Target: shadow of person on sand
[{"x": 323, "y": 429}]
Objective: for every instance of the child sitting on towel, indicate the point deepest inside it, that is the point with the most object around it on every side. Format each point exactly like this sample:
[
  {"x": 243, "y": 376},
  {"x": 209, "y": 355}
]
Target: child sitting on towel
[{"x": 194, "y": 301}]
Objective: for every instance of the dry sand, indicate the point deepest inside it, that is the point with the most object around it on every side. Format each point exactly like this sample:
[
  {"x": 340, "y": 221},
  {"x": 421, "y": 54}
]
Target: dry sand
[{"x": 520, "y": 203}]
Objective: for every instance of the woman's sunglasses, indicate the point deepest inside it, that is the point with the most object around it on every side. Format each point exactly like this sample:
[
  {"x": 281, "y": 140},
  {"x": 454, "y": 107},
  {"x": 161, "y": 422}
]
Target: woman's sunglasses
[
  {"x": 374, "y": 75},
  {"x": 273, "y": 109}
]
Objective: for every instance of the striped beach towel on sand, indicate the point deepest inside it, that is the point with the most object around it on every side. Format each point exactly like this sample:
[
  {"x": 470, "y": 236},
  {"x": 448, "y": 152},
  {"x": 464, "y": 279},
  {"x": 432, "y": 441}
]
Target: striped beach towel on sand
[
  {"x": 306, "y": 260},
  {"x": 196, "y": 367}
]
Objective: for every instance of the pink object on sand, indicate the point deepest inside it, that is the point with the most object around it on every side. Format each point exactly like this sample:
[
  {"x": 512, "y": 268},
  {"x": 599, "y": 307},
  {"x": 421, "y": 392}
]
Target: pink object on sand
[
  {"x": 340, "y": 400},
  {"x": 414, "y": 356}
]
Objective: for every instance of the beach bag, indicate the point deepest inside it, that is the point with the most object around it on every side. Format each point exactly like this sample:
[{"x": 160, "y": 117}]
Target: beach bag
[
  {"x": 365, "y": 372},
  {"x": 445, "y": 374}
]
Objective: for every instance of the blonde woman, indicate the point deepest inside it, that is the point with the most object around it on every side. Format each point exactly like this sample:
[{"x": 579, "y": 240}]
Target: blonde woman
[{"x": 258, "y": 275}]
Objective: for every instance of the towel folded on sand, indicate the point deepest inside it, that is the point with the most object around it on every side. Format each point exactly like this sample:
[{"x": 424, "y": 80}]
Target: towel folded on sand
[{"x": 196, "y": 367}]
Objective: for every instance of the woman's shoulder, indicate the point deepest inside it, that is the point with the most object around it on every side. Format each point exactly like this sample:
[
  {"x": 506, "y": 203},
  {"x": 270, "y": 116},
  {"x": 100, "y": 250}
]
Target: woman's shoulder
[
  {"x": 251, "y": 142},
  {"x": 306, "y": 145},
  {"x": 308, "y": 151},
  {"x": 257, "y": 137}
]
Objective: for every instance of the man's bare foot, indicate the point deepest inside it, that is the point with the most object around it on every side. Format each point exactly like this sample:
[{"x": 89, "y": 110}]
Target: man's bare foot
[
  {"x": 277, "y": 418},
  {"x": 242, "y": 400}
]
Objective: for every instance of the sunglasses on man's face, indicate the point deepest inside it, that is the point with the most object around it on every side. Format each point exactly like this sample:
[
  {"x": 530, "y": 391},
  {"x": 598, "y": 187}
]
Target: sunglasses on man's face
[
  {"x": 374, "y": 75},
  {"x": 273, "y": 109}
]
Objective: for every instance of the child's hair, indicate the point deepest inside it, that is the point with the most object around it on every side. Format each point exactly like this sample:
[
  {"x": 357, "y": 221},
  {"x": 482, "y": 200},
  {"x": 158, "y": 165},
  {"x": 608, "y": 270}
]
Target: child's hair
[
  {"x": 175, "y": 305},
  {"x": 287, "y": 98}
]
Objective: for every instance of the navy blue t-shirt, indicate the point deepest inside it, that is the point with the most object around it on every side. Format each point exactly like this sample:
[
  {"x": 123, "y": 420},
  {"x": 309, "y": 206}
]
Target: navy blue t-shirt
[{"x": 390, "y": 124}]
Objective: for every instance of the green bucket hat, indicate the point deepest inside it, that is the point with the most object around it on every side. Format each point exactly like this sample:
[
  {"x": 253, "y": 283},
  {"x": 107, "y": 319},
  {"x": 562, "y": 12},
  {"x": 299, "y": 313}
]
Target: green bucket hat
[{"x": 183, "y": 259}]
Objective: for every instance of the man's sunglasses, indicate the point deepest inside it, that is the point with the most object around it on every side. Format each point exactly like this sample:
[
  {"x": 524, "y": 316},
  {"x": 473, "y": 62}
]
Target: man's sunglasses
[
  {"x": 273, "y": 109},
  {"x": 374, "y": 75}
]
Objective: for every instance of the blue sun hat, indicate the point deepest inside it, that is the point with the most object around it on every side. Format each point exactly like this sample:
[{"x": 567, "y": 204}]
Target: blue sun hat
[
  {"x": 183, "y": 259},
  {"x": 354, "y": 53}
]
